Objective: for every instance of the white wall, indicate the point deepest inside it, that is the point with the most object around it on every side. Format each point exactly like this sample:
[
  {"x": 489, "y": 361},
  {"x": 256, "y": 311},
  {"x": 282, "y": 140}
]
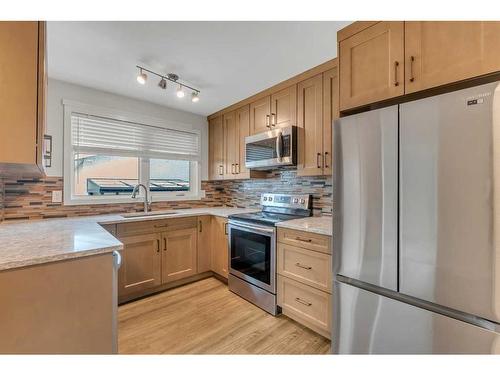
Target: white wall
[{"x": 59, "y": 90}]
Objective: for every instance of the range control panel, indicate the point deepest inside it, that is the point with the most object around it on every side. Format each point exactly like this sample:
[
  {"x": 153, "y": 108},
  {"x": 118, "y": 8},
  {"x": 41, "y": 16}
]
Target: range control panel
[{"x": 301, "y": 201}]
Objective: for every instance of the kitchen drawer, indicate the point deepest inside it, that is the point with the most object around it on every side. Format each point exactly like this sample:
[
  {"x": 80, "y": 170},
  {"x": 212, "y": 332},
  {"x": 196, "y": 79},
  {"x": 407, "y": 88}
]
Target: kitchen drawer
[
  {"x": 306, "y": 240},
  {"x": 153, "y": 226},
  {"x": 308, "y": 306},
  {"x": 180, "y": 223},
  {"x": 310, "y": 267},
  {"x": 137, "y": 227}
]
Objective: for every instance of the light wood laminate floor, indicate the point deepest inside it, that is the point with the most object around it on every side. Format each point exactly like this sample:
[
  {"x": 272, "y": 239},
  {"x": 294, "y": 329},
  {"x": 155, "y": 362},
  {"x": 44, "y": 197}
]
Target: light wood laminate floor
[{"x": 206, "y": 318}]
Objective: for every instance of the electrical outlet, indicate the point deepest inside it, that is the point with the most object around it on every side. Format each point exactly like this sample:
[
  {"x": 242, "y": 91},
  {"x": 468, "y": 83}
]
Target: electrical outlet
[{"x": 57, "y": 196}]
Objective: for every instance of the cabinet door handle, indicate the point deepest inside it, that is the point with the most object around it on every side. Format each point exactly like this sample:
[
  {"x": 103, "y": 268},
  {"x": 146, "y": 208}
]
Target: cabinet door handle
[
  {"x": 225, "y": 229},
  {"x": 318, "y": 162},
  {"x": 237, "y": 168},
  {"x": 325, "y": 160},
  {"x": 157, "y": 246},
  {"x": 412, "y": 59},
  {"x": 268, "y": 124},
  {"x": 221, "y": 170},
  {"x": 302, "y": 266},
  {"x": 273, "y": 119},
  {"x": 164, "y": 244},
  {"x": 303, "y": 239},
  {"x": 299, "y": 300},
  {"x": 396, "y": 66},
  {"x": 201, "y": 226}
]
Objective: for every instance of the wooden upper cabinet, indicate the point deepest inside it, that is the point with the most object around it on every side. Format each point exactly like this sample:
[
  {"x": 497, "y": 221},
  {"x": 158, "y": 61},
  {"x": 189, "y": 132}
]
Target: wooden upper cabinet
[
  {"x": 231, "y": 144},
  {"x": 438, "y": 53},
  {"x": 180, "y": 254},
  {"x": 260, "y": 115},
  {"x": 141, "y": 263},
  {"x": 216, "y": 148},
  {"x": 284, "y": 107},
  {"x": 330, "y": 113},
  {"x": 372, "y": 65},
  {"x": 310, "y": 119},
  {"x": 243, "y": 126},
  {"x": 22, "y": 97}
]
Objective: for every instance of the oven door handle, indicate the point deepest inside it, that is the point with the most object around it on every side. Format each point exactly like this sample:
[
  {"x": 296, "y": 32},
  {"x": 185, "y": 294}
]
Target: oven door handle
[{"x": 246, "y": 227}]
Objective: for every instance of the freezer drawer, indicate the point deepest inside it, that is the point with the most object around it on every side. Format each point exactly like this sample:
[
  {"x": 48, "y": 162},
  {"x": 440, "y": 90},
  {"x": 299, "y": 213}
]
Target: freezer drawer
[
  {"x": 368, "y": 323},
  {"x": 366, "y": 201},
  {"x": 449, "y": 200}
]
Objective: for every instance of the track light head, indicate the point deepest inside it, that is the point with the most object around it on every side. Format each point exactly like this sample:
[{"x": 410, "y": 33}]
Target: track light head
[
  {"x": 180, "y": 92},
  {"x": 163, "y": 83},
  {"x": 194, "y": 97},
  {"x": 142, "y": 77}
]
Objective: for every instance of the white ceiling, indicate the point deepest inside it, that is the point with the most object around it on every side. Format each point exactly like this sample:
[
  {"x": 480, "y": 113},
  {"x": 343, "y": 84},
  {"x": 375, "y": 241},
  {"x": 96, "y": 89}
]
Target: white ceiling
[{"x": 227, "y": 61}]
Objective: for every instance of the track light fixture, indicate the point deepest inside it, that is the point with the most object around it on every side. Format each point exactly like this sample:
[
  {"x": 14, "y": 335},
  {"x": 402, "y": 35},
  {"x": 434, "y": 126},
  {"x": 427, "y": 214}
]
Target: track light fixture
[
  {"x": 163, "y": 83},
  {"x": 180, "y": 92},
  {"x": 142, "y": 78}
]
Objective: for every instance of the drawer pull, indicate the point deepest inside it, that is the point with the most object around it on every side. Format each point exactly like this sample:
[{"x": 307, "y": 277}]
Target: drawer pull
[
  {"x": 303, "y": 239},
  {"x": 396, "y": 65},
  {"x": 412, "y": 59},
  {"x": 303, "y": 302},
  {"x": 161, "y": 225},
  {"x": 304, "y": 267}
]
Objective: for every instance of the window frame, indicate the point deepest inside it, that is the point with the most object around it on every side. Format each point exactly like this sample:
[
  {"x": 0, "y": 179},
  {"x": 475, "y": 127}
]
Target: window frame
[{"x": 195, "y": 192}]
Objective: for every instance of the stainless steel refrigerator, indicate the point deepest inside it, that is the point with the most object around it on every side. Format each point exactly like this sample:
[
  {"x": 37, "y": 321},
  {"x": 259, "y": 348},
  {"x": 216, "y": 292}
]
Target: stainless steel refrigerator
[{"x": 417, "y": 226}]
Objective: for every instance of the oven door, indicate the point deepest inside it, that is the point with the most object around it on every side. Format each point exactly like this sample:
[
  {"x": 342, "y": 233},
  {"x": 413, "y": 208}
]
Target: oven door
[
  {"x": 273, "y": 148},
  {"x": 252, "y": 254}
]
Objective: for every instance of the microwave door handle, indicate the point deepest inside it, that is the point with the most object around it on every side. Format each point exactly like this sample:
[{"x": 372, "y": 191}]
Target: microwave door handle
[{"x": 279, "y": 142}]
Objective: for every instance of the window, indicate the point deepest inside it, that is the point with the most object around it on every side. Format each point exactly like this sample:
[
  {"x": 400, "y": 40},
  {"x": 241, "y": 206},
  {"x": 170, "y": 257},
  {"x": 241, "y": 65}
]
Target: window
[{"x": 108, "y": 154}]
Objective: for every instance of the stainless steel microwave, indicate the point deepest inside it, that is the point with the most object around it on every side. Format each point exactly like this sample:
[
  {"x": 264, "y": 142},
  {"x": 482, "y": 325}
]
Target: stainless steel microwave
[{"x": 271, "y": 149}]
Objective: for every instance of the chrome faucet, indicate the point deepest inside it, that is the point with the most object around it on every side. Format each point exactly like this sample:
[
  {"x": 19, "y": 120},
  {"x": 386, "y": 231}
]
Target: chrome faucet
[{"x": 147, "y": 201}]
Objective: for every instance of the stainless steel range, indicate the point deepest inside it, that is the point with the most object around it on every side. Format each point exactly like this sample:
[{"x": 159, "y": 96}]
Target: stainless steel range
[{"x": 252, "y": 247}]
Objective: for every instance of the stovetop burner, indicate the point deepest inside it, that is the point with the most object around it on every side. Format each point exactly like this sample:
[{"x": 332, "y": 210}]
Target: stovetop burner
[
  {"x": 264, "y": 217},
  {"x": 277, "y": 208}
]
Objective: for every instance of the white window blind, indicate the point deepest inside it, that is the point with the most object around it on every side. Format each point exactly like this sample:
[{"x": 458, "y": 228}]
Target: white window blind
[{"x": 95, "y": 134}]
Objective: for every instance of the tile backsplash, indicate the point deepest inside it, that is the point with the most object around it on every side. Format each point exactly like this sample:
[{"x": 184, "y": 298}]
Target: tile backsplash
[{"x": 32, "y": 198}]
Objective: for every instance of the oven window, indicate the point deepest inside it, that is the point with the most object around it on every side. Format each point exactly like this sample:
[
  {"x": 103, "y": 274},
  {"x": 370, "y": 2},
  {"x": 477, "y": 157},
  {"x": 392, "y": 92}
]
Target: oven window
[{"x": 251, "y": 254}]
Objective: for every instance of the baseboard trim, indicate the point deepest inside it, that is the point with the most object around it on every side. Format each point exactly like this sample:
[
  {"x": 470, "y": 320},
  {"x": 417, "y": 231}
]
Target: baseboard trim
[{"x": 162, "y": 288}]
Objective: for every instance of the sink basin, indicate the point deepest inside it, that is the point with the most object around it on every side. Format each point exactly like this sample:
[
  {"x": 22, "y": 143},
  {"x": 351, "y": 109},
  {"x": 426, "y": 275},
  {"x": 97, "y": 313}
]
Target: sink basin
[{"x": 149, "y": 214}]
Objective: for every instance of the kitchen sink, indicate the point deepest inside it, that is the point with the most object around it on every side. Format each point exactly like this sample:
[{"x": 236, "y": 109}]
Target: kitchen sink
[{"x": 148, "y": 214}]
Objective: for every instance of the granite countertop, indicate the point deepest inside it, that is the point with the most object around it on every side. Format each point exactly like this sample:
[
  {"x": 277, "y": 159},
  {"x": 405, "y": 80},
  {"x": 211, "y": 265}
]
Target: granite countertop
[
  {"x": 314, "y": 224},
  {"x": 42, "y": 241}
]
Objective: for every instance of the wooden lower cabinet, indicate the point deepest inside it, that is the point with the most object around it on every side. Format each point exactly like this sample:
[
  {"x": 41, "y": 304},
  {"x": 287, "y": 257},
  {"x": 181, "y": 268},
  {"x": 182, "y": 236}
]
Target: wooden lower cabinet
[
  {"x": 308, "y": 267},
  {"x": 220, "y": 248},
  {"x": 161, "y": 252},
  {"x": 304, "y": 263},
  {"x": 63, "y": 307},
  {"x": 309, "y": 306},
  {"x": 204, "y": 243},
  {"x": 141, "y": 263},
  {"x": 180, "y": 255}
]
